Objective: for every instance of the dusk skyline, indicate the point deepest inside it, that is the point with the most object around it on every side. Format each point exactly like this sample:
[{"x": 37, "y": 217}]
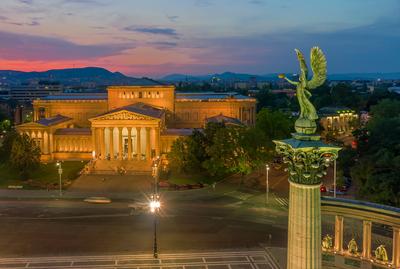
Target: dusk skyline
[{"x": 155, "y": 38}]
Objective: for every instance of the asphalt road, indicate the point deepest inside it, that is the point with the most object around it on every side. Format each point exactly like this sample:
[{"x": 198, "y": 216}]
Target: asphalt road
[{"x": 189, "y": 221}]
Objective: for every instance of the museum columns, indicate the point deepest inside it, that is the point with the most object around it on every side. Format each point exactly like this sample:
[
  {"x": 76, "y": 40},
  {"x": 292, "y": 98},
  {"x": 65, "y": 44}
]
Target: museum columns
[
  {"x": 93, "y": 142},
  {"x": 148, "y": 144},
  {"x": 120, "y": 143},
  {"x": 129, "y": 143},
  {"x": 157, "y": 140},
  {"x": 111, "y": 146},
  {"x": 138, "y": 144},
  {"x": 102, "y": 143}
]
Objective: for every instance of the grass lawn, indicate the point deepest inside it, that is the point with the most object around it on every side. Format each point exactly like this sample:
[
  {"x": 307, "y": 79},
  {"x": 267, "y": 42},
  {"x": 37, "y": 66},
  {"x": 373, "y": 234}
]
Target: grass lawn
[
  {"x": 181, "y": 179},
  {"x": 46, "y": 176}
]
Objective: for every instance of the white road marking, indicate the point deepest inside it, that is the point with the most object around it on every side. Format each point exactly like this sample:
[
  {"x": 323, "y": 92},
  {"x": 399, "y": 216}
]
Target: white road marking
[{"x": 239, "y": 259}]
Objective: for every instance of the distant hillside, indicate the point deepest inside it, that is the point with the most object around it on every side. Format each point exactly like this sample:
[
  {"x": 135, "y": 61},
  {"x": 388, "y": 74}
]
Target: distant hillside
[
  {"x": 229, "y": 76},
  {"x": 74, "y": 76}
]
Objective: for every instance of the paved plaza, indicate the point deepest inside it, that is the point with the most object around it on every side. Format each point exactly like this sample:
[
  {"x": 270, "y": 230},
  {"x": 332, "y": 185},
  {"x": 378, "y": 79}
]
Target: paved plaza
[{"x": 257, "y": 259}]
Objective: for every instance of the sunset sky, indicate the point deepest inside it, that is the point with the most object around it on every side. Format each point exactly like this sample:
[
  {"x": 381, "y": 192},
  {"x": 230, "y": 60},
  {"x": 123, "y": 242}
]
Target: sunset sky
[{"x": 158, "y": 37}]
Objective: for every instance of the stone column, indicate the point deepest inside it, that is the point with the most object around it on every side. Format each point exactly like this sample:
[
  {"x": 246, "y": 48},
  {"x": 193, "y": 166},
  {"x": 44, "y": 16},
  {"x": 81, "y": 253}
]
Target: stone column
[
  {"x": 129, "y": 143},
  {"x": 119, "y": 143},
  {"x": 157, "y": 140},
  {"x": 138, "y": 144},
  {"x": 45, "y": 142},
  {"x": 396, "y": 247},
  {"x": 40, "y": 141},
  {"x": 35, "y": 114},
  {"x": 111, "y": 143},
  {"x": 304, "y": 238},
  {"x": 102, "y": 144},
  {"x": 51, "y": 145},
  {"x": 366, "y": 250},
  {"x": 338, "y": 234},
  {"x": 94, "y": 144},
  {"x": 148, "y": 144},
  {"x": 306, "y": 165}
]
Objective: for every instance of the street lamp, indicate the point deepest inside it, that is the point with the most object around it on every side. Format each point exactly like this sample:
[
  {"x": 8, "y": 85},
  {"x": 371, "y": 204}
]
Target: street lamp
[
  {"x": 59, "y": 175},
  {"x": 154, "y": 208},
  {"x": 328, "y": 160},
  {"x": 266, "y": 182},
  {"x": 155, "y": 176}
]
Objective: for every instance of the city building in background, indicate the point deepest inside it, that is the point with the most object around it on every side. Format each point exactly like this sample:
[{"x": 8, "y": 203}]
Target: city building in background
[{"x": 129, "y": 125}]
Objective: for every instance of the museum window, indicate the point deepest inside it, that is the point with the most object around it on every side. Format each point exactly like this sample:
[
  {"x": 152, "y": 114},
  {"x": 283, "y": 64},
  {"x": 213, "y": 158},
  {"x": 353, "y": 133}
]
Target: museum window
[{"x": 140, "y": 94}]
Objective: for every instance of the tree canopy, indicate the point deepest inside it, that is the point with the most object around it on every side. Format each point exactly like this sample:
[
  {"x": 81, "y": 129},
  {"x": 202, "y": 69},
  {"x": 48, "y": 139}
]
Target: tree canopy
[
  {"x": 378, "y": 167},
  {"x": 25, "y": 155}
]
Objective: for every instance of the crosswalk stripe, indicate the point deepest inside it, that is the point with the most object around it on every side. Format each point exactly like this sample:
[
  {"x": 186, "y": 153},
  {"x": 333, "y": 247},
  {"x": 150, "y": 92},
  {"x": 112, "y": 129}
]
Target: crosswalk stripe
[{"x": 237, "y": 259}]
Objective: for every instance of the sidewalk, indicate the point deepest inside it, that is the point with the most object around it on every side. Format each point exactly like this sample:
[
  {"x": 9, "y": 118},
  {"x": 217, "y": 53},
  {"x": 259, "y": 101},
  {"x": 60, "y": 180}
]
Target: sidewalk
[{"x": 54, "y": 194}]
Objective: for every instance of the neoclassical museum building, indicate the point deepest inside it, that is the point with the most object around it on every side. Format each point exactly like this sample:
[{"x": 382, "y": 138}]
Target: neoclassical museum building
[{"x": 129, "y": 125}]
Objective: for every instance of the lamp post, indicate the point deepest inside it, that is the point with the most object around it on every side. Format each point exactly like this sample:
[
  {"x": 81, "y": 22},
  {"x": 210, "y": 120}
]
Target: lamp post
[
  {"x": 59, "y": 177},
  {"x": 266, "y": 182},
  {"x": 154, "y": 208}
]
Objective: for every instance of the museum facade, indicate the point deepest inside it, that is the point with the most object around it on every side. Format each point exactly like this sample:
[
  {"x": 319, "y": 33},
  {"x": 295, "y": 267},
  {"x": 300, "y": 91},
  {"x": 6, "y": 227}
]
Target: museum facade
[{"x": 129, "y": 125}]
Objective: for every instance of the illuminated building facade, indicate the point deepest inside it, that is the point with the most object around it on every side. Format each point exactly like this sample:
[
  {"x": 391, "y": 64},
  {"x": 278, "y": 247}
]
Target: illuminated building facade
[{"x": 129, "y": 125}]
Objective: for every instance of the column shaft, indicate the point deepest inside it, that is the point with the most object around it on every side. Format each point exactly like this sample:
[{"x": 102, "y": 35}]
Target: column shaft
[
  {"x": 148, "y": 144},
  {"x": 157, "y": 140},
  {"x": 338, "y": 234},
  {"x": 45, "y": 142},
  {"x": 366, "y": 251},
  {"x": 129, "y": 143},
  {"x": 94, "y": 147},
  {"x": 138, "y": 144},
  {"x": 119, "y": 143},
  {"x": 51, "y": 145},
  {"x": 396, "y": 247},
  {"x": 111, "y": 143},
  {"x": 304, "y": 230},
  {"x": 102, "y": 144}
]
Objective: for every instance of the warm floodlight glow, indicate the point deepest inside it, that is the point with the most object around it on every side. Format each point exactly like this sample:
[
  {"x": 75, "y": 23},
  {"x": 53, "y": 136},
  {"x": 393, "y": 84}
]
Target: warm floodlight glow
[{"x": 155, "y": 205}]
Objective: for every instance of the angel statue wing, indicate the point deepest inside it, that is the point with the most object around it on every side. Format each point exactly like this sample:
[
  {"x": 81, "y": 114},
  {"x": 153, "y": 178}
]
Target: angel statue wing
[
  {"x": 302, "y": 61},
  {"x": 318, "y": 66}
]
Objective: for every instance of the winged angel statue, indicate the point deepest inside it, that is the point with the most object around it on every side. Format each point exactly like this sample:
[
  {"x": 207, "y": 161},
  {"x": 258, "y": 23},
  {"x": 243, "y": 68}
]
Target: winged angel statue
[{"x": 308, "y": 114}]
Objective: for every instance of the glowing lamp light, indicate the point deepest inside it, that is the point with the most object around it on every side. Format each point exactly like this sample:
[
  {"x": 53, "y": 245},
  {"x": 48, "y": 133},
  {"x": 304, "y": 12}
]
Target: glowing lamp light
[{"x": 155, "y": 204}]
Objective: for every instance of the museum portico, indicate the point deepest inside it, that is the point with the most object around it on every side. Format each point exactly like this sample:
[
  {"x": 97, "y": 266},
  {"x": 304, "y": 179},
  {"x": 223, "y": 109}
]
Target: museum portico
[
  {"x": 126, "y": 134},
  {"x": 128, "y": 126}
]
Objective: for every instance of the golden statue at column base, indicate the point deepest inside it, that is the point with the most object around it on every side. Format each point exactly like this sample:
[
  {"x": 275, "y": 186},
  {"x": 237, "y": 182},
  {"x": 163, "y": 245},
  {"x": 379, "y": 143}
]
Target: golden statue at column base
[{"x": 353, "y": 247}]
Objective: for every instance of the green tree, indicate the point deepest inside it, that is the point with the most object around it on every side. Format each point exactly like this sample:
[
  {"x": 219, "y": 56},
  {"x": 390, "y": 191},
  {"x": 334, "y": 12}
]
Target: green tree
[
  {"x": 379, "y": 164},
  {"x": 6, "y": 145},
  {"x": 274, "y": 125},
  {"x": 226, "y": 154},
  {"x": 25, "y": 155}
]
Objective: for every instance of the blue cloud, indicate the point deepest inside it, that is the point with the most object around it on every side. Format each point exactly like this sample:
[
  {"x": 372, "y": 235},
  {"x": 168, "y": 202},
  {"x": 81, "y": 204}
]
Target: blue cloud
[
  {"x": 38, "y": 48},
  {"x": 152, "y": 30}
]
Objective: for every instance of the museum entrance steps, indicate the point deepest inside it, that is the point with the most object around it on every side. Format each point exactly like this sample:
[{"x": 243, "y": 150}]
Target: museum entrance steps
[{"x": 121, "y": 167}]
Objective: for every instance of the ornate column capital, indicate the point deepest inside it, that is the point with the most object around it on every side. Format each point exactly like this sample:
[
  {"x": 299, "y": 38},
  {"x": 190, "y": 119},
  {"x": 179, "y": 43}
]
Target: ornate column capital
[{"x": 306, "y": 160}]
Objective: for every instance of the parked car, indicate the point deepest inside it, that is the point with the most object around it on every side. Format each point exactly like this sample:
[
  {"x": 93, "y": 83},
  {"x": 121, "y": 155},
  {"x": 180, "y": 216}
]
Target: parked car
[
  {"x": 322, "y": 188},
  {"x": 339, "y": 190}
]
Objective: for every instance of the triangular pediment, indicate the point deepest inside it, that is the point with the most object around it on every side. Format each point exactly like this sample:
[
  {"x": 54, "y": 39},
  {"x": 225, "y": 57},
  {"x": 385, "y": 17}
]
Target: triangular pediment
[
  {"x": 31, "y": 125},
  {"x": 122, "y": 115}
]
